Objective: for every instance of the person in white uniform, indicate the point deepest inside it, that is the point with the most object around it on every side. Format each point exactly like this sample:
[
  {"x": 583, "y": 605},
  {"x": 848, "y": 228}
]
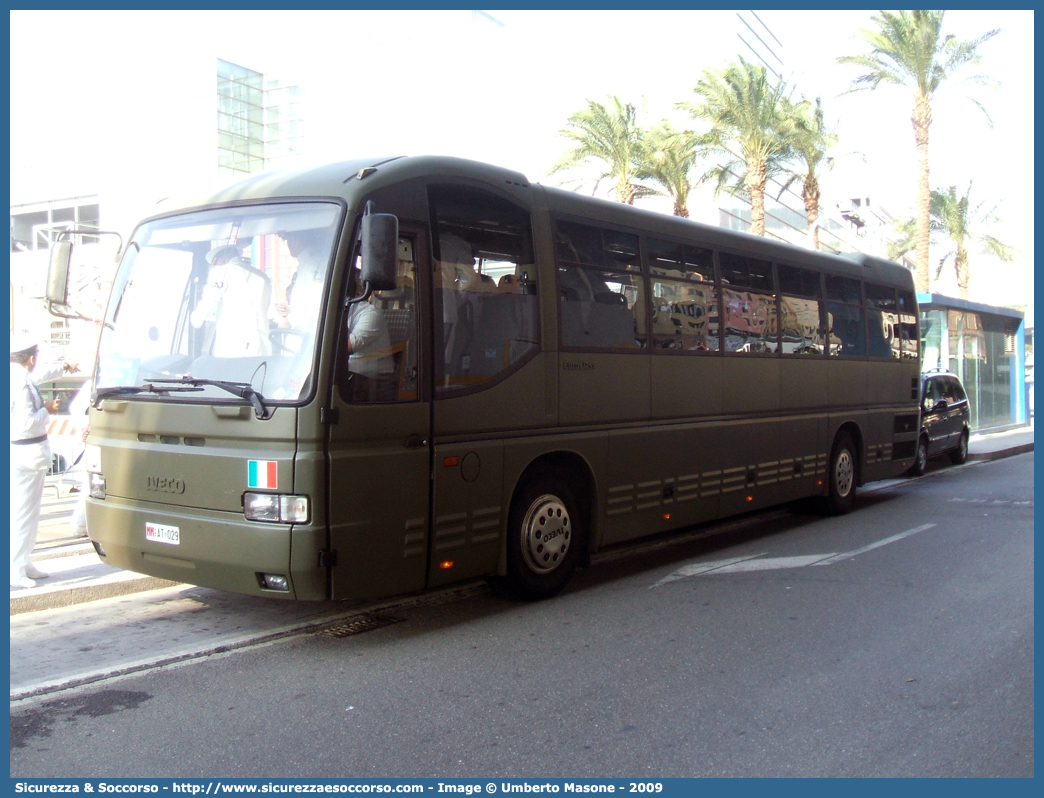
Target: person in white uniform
[
  {"x": 304, "y": 295},
  {"x": 30, "y": 455},
  {"x": 235, "y": 306}
]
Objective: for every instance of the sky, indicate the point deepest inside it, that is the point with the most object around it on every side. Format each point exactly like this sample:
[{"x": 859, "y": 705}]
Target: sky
[{"x": 500, "y": 88}]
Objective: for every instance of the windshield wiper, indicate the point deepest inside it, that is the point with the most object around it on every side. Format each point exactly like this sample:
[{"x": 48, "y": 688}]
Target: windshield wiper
[
  {"x": 124, "y": 390},
  {"x": 241, "y": 389}
]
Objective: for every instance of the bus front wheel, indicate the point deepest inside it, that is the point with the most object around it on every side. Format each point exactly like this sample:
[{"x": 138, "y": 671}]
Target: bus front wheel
[
  {"x": 842, "y": 475},
  {"x": 545, "y": 536}
]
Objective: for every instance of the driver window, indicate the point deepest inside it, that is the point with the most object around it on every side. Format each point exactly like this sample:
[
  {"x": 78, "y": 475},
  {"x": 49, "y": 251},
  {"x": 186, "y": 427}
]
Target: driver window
[{"x": 379, "y": 337}]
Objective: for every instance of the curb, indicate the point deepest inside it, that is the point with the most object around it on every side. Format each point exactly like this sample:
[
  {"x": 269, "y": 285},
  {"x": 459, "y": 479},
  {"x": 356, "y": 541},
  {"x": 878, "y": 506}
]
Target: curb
[{"x": 1011, "y": 451}]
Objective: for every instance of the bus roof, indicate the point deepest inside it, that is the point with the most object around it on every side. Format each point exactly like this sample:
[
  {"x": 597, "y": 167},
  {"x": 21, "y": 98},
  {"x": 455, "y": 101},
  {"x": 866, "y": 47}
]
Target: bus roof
[
  {"x": 335, "y": 179},
  {"x": 330, "y": 180}
]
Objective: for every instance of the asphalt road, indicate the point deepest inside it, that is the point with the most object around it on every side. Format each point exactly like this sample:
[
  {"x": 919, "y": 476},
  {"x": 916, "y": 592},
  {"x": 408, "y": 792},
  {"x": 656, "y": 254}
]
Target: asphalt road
[{"x": 895, "y": 641}]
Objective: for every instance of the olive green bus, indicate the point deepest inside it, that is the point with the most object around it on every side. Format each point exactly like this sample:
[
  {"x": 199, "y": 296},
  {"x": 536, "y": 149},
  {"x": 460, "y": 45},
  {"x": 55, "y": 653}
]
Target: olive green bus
[{"x": 377, "y": 377}]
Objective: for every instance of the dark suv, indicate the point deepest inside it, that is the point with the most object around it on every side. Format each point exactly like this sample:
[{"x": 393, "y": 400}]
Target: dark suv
[{"x": 944, "y": 419}]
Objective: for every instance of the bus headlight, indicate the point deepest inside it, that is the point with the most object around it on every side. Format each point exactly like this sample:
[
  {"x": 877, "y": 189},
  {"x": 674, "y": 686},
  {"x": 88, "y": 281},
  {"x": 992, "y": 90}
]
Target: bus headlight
[
  {"x": 276, "y": 507},
  {"x": 97, "y": 486}
]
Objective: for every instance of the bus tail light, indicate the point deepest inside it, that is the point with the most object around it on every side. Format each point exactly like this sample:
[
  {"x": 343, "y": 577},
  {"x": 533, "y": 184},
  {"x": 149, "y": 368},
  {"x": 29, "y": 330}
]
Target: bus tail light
[{"x": 276, "y": 508}]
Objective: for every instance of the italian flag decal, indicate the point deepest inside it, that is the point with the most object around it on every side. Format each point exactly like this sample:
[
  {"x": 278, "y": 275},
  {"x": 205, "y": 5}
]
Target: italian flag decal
[{"x": 262, "y": 474}]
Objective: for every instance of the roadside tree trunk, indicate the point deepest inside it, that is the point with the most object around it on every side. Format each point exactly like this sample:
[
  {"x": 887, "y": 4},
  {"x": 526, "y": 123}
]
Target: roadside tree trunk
[
  {"x": 963, "y": 272},
  {"x": 810, "y": 193},
  {"x": 755, "y": 184},
  {"x": 922, "y": 119},
  {"x": 625, "y": 192}
]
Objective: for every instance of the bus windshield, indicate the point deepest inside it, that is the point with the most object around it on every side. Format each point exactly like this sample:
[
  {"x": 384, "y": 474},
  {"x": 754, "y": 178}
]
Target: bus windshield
[{"x": 229, "y": 296}]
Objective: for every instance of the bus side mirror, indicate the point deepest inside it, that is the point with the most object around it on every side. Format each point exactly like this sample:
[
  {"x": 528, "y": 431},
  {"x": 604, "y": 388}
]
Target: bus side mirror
[
  {"x": 380, "y": 251},
  {"x": 58, "y": 272}
]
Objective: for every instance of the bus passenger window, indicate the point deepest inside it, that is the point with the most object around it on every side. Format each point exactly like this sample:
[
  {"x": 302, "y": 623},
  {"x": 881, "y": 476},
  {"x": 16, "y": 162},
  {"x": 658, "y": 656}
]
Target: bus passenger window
[
  {"x": 801, "y": 326},
  {"x": 751, "y": 324},
  {"x": 600, "y": 309},
  {"x": 911, "y": 344},
  {"x": 843, "y": 289},
  {"x": 486, "y": 307},
  {"x": 883, "y": 336},
  {"x": 750, "y": 321},
  {"x": 847, "y": 334},
  {"x": 685, "y": 316},
  {"x": 680, "y": 260}
]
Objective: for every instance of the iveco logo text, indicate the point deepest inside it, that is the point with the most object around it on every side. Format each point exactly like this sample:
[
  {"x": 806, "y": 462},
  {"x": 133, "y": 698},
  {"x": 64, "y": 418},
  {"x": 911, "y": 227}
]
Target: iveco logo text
[
  {"x": 552, "y": 535},
  {"x": 166, "y": 485}
]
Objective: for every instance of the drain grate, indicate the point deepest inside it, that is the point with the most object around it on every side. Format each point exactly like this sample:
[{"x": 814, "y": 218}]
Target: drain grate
[{"x": 358, "y": 626}]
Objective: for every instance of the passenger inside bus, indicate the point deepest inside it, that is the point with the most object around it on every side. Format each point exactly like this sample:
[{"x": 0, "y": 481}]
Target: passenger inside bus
[
  {"x": 369, "y": 344},
  {"x": 304, "y": 294},
  {"x": 233, "y": 306}
]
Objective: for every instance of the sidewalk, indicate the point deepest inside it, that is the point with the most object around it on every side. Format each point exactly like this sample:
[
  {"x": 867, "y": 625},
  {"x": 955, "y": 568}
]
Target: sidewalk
[{"x": 78, "y": 576}]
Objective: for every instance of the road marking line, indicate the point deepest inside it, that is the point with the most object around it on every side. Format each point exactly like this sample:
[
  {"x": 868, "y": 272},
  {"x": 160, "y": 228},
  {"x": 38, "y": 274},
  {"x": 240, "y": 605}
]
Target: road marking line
[
  {"x": 850, "y": 554},
  {"x": 736, "y": 565},
  {"x": 704, "y": 567}
]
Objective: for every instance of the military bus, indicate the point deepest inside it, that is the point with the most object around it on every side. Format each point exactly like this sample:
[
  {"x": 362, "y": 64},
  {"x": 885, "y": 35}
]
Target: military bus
[{"x": 380, "y": 376}]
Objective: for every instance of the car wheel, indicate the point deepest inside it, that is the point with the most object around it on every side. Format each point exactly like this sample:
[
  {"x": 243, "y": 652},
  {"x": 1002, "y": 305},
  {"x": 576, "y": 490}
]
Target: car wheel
[
  {"x": 842, "y": 476},
  {"x": 545, "y": 538},
  {"x": 960, "y": 454},
  {"x": 920, "y": 463}
]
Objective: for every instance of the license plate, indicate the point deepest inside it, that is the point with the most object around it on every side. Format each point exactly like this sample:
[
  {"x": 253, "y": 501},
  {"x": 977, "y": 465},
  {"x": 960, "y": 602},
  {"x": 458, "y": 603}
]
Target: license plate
[{"x": 158, "y": 533}]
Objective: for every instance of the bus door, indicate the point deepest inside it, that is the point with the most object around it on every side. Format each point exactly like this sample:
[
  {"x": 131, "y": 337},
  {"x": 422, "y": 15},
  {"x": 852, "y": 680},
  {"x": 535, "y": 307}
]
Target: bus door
[
  {"x": 488, "y": 382},
  {"x": 379, "y": 455}
]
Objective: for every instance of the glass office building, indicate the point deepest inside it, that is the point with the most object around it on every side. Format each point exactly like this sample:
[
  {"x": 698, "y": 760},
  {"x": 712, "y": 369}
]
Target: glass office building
[
  {"x": 983, "y": 345},
  {"x": 259, "y": 122}
]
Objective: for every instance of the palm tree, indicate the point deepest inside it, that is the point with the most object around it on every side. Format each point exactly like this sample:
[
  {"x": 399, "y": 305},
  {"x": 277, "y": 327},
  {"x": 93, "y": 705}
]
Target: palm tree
[
  {"x": 907, "y": 48},
  {"x": 749, "y": 120},
  {"x": 956, "y": 218},
  {"x": 668, "y": 163},
  {"x": 904, "y": 238},
  {"x": 609, "y": 134},
  {"x": 810, "y": 139}
]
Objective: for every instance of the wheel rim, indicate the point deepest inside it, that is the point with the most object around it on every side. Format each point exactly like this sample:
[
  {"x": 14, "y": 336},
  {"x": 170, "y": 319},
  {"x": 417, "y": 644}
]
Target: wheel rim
[
  {"x": 844, "y": 473},
  {"x": 922, "y": 455},
  {"x": 962, "y": 449},
  {"x": 546, "y": 534}
]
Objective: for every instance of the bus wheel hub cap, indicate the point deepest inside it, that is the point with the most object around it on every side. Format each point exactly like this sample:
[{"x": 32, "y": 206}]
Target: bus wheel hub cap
[
  {"x": 546, "y": 533},
  {"x": 845, "y": 472}
]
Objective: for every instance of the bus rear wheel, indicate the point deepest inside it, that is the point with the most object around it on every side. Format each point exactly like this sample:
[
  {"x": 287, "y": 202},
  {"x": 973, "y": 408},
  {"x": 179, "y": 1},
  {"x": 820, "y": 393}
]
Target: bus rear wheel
[
  {"x": 545, "y": 536},
  {"x": 842, "y": 476}
]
